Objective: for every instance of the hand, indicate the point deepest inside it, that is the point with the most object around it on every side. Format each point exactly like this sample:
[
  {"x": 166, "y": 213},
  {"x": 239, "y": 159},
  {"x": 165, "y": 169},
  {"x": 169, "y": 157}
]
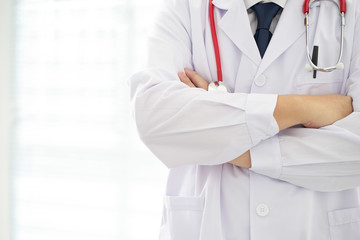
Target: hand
[
  {"x": 313, "y": 111},
  {"x": 326, "y": 109},
  {"x": 193, "y": 79}
]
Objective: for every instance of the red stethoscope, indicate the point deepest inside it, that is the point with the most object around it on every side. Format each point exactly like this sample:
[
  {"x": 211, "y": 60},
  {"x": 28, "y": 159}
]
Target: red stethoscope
[{"x": 217, "y": 85}]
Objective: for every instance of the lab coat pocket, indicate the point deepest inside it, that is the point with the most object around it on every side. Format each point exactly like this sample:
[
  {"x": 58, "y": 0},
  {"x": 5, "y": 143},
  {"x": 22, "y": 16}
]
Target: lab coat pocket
[
  {"x": 324, "y": 83},
  {"x": 345, "y": 224},
  {"x": 184, "y": 215}
]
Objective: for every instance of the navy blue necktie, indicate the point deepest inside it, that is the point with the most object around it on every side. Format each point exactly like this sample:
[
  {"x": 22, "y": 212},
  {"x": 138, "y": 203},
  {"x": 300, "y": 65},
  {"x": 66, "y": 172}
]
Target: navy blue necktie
[{"x": 265, "y": 12}]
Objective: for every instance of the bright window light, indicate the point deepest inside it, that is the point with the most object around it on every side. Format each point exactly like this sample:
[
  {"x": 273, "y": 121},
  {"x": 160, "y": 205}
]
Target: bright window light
[{"x": 80, "y": 171}]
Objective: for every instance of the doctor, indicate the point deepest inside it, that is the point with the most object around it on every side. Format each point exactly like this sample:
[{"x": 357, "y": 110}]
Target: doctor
[{"x": 276, "y": 158}]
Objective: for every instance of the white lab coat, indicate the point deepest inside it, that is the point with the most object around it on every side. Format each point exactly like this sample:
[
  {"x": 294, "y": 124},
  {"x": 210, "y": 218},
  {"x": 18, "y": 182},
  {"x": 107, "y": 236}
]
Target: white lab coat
[{"x": 304, "y": 183}]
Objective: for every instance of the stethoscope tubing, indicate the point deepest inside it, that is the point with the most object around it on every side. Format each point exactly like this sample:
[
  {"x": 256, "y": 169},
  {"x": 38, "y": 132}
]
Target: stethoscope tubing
[
  {"x": 215, "y": 42},
  {"x": 311, "y": 65},
  {"x": 307, "y": 4},
  {"x": 339, "y": 64}
]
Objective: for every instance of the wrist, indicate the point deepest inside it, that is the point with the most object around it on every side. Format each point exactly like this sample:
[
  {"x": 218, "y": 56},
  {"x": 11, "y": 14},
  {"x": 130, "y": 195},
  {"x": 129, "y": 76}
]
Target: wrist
[
  {"x": 243, "y": 161},
  {"x": 303, "y": 109},
  {"x": 290, "y": 111}
]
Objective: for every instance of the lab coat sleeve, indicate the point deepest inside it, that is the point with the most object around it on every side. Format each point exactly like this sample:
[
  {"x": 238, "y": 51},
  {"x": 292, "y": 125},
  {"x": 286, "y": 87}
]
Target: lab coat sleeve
[
  {"x": 183, "y": 125},
  {"x": 325, "y": 159}
]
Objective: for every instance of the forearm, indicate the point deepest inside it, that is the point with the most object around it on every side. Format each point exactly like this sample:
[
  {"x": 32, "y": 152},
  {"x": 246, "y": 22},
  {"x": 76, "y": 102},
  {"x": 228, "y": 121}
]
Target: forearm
[
  {"x": 289, "y": 111},
  {"x": 195, "y": 126},
  {"x": 311, "y": 111},
  {"x": 326, "y": 159},
  {"x": 243, "y": 160}
]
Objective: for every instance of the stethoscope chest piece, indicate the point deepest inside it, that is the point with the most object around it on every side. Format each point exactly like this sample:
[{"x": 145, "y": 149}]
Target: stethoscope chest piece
[{"x": 217, "y": 86}]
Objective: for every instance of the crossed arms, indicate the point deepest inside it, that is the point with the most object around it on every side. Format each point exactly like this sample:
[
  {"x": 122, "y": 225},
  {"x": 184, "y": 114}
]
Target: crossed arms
[
  {"x": 190, "y": 126},
  {"x": 312, "y": 111}
]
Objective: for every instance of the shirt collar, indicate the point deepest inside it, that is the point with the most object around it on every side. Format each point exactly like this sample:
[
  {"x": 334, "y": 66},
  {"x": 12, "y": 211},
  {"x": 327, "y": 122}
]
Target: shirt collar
[{"x": 250, "y": 3}]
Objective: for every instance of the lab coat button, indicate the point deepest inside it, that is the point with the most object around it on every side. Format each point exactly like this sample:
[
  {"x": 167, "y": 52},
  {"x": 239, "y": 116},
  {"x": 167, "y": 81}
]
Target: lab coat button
[
  {"x": 262, "y": 210},
  {"x": 260, "y": 81}
]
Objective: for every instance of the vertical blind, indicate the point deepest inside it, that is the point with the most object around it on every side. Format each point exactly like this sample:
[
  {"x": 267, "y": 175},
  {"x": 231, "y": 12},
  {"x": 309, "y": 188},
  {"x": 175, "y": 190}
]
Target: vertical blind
[{"x": 80, "y": 171}]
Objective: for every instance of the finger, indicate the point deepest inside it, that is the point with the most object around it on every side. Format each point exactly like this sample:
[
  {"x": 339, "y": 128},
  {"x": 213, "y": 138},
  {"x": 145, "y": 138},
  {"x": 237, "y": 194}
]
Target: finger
[
  {"x": 196, "y": 79},
  {"x": 185, "y": 79}
]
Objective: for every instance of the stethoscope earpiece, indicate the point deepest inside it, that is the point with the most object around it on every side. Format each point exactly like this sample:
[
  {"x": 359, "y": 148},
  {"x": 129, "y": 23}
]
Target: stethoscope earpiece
[
  {"x": 313, "y": 64},
  {"x": 340, "y": 66},
  {"x": 308, "y": 67}
]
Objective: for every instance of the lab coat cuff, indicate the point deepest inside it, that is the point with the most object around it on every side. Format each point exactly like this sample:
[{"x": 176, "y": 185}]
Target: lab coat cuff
[
  {"x": 266, "y": 158},
  {"x": 260, "y": 116}
]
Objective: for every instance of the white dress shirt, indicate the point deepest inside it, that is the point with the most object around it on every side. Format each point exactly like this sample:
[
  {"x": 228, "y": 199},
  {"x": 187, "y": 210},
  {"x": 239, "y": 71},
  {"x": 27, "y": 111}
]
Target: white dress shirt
[{"x": 250, "y": 3}]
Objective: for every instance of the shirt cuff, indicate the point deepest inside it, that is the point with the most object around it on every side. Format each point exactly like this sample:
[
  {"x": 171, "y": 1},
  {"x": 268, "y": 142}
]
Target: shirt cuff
[
  {"x": 266, "y": 158},
  {"x": 259, "y": 112}
]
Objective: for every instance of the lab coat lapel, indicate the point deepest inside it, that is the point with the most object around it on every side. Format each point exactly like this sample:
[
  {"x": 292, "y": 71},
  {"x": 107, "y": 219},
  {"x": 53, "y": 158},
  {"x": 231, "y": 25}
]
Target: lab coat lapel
[
  {"x": 235, "y": 24},
  {"x": 289, "y": 28}
]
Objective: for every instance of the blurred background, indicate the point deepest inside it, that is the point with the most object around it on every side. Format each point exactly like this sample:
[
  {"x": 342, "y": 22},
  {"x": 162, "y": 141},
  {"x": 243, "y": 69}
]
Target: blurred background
[{"x": 72, "y": 165}]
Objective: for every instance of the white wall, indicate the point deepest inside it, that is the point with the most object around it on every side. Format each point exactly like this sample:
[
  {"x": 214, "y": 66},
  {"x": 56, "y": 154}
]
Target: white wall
[{"x": 6, "y": 53}]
